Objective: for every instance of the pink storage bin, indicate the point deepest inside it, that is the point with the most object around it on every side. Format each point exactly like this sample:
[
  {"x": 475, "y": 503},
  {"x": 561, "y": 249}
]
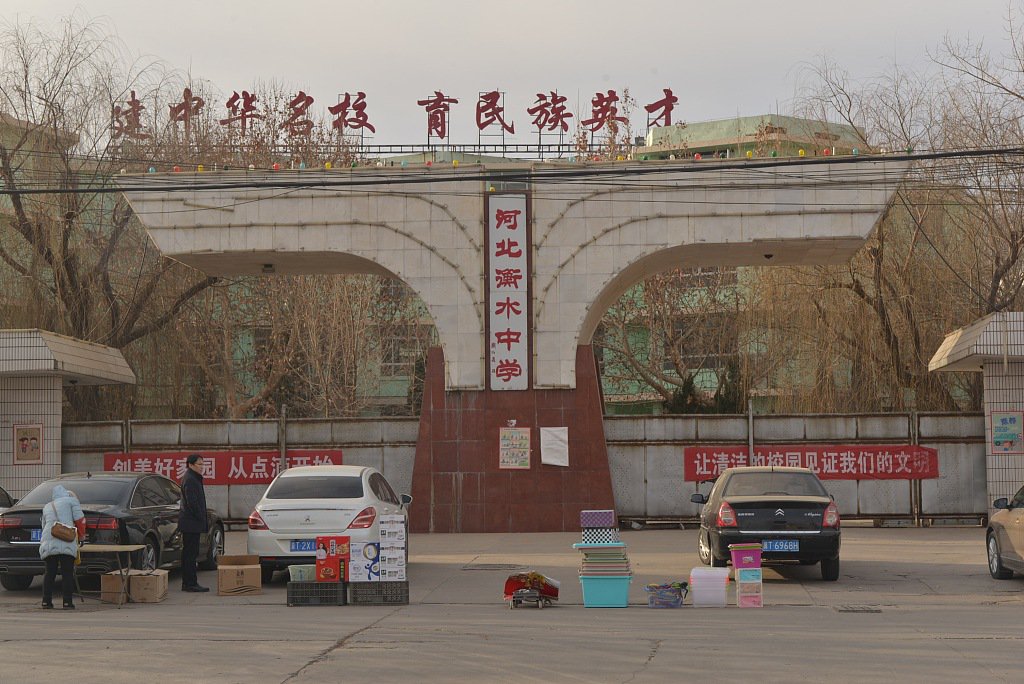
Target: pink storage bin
[
  {"x": 597, "y": 519},
  {"x": 745, "y": 555}
]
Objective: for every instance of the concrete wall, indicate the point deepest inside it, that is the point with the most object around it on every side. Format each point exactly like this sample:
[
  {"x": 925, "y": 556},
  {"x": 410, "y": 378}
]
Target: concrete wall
[
  {"x": 386, "y": 444},
  {"x": 29, "y": 401},
  {"x": 646, "y": 459},
  {"x": 645, "y": 454}
]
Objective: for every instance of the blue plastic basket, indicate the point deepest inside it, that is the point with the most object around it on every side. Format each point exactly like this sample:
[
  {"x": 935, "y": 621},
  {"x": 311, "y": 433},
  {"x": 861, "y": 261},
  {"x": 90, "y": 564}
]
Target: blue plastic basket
[{"x": 610, "y": 591}]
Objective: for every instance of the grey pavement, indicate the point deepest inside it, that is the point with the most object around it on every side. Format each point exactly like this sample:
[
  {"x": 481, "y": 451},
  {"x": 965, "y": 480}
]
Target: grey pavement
[{"x": 911, "y": 605}]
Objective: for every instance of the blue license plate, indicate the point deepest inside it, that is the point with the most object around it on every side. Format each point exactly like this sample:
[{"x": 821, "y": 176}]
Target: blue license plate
[
  {"x": 784, "y": 545},
  {"x": 302, "y": 546},
  {"x": 36, "y": 535}
]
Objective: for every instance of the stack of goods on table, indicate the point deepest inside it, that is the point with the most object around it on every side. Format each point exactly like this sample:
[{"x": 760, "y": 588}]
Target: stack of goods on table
[{"x": 605, "y": 573}]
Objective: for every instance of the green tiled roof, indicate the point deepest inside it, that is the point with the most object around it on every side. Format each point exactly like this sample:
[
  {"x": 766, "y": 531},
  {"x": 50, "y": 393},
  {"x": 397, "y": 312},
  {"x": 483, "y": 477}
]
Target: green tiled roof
[{"x": 744, "y": 129}]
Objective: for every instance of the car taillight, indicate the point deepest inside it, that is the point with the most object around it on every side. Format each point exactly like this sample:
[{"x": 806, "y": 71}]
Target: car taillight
[
  {"x": 100, "y": 522},
  {"x": 10, "y": 521},
  {"x": 831, "y": 518},
  {"x": 364, "y": 519},
  {"x": 726, "y": 516},
  {"x": 256, "y": 521}
]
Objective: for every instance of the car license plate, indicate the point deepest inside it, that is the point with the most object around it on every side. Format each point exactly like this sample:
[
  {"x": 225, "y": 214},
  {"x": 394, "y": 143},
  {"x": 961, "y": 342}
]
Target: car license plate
[
  {"x": 36, "y": 535},
  {"x": 303, "y": 545},
  {"x": 784, "y": 545}
]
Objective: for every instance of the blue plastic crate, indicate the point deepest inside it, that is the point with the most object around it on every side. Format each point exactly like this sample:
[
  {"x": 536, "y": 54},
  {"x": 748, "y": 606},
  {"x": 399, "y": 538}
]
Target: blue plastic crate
[{"x": 610, "y": 591}]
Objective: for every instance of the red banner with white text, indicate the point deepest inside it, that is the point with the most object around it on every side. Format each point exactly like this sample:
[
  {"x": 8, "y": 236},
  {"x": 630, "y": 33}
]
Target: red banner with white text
[
  {"x": 828, "y": 461},
  {"x": 221, "y": 467}
]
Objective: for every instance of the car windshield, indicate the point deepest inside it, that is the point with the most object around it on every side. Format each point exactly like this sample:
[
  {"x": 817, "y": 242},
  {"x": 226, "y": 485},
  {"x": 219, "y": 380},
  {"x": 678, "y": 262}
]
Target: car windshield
[
  {"x": 774, "y": 484},
  {"x": 317, "y": 487},
  {"x": 97, "y": 491}
]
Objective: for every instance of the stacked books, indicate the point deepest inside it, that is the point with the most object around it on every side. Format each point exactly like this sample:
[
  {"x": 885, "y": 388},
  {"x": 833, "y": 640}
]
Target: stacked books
[{"x": 605, "y": 560}]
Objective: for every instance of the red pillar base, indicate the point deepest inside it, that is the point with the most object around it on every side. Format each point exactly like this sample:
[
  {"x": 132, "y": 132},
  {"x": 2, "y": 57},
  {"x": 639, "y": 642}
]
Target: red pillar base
[{"x": 456, "y": 483}]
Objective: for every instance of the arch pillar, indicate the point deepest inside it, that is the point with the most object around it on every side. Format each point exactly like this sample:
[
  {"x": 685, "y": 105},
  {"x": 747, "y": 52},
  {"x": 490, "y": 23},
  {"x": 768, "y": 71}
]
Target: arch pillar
[{"x": 457, "y": 485}]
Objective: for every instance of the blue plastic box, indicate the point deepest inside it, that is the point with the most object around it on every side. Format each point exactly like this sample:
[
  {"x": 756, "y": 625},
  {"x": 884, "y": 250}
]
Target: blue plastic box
[{"x": 610, "y": 591}]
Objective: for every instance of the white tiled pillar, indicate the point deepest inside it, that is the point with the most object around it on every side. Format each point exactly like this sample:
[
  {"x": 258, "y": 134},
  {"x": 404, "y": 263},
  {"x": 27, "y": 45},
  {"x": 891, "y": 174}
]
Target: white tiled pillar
[
  {"x": 1004, "y": 391},
  {"x": 29, "y": 401}
]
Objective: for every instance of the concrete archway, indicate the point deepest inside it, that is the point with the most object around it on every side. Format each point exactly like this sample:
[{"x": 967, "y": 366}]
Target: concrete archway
[{"x": 595, "y": 230}]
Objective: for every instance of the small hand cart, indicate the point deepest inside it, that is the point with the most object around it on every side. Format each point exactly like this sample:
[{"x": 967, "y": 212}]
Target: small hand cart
[{"x": 530, "y": 587}]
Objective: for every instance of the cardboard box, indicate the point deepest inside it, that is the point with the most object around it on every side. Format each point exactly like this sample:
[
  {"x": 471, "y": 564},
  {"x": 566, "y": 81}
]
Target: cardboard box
[
  {"x": 364, "y": 562},
  {"x": 238, "y": 575},
  {"x": 147, "y": 586},
  {"x": 110, "y": 588},
  {"x": 332, "y": 558}
]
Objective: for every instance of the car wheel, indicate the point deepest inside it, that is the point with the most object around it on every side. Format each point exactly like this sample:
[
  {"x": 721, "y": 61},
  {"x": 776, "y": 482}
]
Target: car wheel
[
  {"x": 830, "y": 569},
  {"x": 267, "y": 574},
  {"x": 147, "y": 558},
  {"x": 718, "y": 562},
  {"x": 215, "y": 551},
  {"x": 703, "y": 548},
  {"x": 16, "y": 582},
  {"x": 995, "y": 561}
]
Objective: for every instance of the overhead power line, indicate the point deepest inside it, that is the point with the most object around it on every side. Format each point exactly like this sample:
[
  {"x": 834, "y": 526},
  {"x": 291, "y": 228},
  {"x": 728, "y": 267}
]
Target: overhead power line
[{"x": 368, "y": 178}]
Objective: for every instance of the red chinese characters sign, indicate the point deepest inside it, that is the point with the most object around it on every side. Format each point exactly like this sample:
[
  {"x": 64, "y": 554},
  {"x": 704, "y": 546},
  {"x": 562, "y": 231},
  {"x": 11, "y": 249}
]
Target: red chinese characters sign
[
  {"x": 508, "y": 289},
  {"x": 549, "y": 113},
  {"x": 221, "y": 467},
  {"x": 829, "y": 461}
]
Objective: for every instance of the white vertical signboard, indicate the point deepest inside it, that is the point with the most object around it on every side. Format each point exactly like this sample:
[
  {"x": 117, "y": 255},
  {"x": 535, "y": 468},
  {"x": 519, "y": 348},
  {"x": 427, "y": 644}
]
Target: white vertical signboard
[{"x": 508, "y": 290}]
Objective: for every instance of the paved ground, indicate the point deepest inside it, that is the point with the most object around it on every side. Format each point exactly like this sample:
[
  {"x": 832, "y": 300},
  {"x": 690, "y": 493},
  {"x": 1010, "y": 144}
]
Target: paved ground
[{"x": 911, "y": 605}]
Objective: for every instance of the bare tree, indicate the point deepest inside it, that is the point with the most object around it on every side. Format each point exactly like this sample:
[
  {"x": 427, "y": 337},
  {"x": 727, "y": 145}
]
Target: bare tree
[{"x": 74, "y": 261}]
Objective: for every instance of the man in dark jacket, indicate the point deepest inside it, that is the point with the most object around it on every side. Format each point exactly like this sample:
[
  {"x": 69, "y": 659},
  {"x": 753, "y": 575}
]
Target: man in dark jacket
[{"x": 192, "y": 521}]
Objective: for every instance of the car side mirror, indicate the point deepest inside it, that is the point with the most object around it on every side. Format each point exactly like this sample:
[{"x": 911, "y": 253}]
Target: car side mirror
[
  {"x": 14, "y": 502},
  {"x": 406, "y": 499},
  {"x": 698, "y": 499},
  {"x": 1001, "y": 503}
]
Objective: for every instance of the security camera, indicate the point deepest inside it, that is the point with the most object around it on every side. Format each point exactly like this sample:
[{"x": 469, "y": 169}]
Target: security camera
[{"x": 768, "y": 256}]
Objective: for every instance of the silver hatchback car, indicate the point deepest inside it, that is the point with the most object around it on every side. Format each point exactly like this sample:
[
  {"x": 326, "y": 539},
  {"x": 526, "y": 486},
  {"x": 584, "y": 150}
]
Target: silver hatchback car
[
  {"x": 1004, "y": 538},
  {"x": 309, "y": 501}
]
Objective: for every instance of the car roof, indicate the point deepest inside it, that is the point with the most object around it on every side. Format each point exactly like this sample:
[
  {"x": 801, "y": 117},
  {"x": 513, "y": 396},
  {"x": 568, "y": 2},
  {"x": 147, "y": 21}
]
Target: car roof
[
  {"x": 767, "y": 469},
  {"x": 331, "y": 470}
]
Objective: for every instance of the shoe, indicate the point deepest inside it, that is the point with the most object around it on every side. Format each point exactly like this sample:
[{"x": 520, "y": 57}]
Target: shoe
[
  {"x": 69, "y": 606},
  {"x": 195, "y": 588},
  {"x": 47, "y": 605}
]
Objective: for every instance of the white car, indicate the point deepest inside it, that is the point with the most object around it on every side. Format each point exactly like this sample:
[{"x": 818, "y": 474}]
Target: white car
[{"x": 308, "y": 501}]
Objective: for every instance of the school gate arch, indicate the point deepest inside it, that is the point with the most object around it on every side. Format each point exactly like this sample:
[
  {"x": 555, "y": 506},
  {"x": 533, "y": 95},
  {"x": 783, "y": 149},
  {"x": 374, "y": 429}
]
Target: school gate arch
[{"x": 591, "y": 232}]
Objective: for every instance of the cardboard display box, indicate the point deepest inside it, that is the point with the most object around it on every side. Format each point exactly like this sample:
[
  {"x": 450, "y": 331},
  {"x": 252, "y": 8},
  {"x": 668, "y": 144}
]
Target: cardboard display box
[
  {"x": 147, "y": 586},
  {"x": 238, "y": 575},
  {"x": 110, "y": 588}
]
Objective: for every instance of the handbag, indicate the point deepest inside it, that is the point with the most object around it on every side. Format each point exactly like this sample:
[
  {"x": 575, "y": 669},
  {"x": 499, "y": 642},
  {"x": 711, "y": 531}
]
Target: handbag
[{"x": 63, "y": 532}]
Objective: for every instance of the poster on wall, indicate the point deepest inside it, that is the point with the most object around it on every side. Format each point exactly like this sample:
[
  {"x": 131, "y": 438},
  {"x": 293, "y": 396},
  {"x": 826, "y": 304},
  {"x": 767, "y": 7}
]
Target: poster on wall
[
  {"x": 1006, "y": 432},
  {"x": 514, "y": 449},
  {"x": 554, "y": 446},
  {"x": 28, "y": 444}
]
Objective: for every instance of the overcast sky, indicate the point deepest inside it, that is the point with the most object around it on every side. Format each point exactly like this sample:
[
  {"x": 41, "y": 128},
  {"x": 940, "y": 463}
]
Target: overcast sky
[{"x": 721, "y": 58}]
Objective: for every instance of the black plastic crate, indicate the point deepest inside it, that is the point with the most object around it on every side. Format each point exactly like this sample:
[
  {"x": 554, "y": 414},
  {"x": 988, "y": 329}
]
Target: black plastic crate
[
  {"x": 316, "y": 594},
  {"x": 378, "y": 593}
]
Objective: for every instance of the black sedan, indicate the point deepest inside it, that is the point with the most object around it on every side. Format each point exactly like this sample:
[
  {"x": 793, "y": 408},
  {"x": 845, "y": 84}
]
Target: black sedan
[
  {"x": 120, "y": 508},
  {"x": 6, "y": 500},
  {"x": 787, "y": 510}
]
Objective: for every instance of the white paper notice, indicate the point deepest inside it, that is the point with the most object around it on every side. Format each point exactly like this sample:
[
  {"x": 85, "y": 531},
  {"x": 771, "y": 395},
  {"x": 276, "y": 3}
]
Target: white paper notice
[{"x": 554, "y": 446}]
